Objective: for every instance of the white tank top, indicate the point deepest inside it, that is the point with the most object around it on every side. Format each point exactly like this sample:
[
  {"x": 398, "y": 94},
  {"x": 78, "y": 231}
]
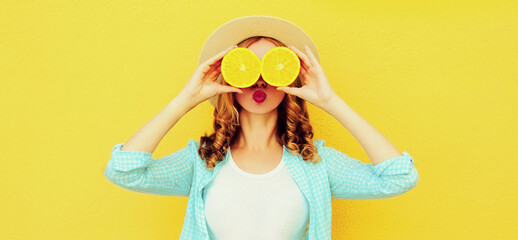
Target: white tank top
[{"x": 242, "y": 205}]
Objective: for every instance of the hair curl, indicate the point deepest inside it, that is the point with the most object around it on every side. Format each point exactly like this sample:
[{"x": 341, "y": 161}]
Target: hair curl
[{"x": 293, "y": 126}]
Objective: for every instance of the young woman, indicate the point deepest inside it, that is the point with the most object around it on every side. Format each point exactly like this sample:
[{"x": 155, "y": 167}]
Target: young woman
[{"x": 260, "y": 175}]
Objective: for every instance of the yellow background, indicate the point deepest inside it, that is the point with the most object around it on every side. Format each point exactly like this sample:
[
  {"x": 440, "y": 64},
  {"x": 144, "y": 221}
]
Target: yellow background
[{"x": 439, "y": 80}]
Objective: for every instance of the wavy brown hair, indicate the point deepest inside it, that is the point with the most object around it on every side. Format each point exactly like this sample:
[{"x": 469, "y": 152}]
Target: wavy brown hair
[{"x": 293, "y": 127}]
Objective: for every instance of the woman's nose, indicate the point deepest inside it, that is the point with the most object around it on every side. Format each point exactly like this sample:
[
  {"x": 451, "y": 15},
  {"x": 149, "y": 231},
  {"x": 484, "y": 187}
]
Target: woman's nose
[{"x": 260, "y": 83}]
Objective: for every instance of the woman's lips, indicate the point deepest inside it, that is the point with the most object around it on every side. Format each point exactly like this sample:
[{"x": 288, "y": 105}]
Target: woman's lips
[{"x": 259, "y": 96}]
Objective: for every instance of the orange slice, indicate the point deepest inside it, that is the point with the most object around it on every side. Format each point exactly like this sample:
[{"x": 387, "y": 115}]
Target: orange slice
[
  {"x": 240, "y": 67},
  {"x": 280, "y": 66}
]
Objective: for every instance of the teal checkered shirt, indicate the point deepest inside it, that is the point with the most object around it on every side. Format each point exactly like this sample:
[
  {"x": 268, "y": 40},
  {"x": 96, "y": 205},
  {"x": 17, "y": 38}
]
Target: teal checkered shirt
[{"x": 338, "y": 176}]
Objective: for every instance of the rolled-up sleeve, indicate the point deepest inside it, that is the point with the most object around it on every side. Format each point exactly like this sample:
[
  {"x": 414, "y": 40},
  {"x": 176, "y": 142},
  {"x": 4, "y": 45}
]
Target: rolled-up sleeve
[
  {"x": 137, "y": 171},
  {"x": 350, "y": 178}
]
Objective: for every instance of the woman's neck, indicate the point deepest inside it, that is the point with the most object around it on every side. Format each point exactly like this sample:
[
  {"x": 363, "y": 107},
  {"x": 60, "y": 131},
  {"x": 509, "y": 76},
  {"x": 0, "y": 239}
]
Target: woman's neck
[{"x": 258, "y": 131}]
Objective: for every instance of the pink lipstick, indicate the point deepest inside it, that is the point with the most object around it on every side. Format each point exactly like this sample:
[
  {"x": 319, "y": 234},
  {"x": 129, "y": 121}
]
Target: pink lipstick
[{"x": 259, "y": 96}]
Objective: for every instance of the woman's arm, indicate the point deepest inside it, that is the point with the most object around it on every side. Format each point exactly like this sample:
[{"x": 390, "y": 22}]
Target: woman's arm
[
  {"x": 377, "y": 147},
  {"x": 148, "y": 137},
  {"x": 136, "y": 171},
  {"x": 318, "y": 91},
  {"x": 349, "y": 178},
  {"x": 132, "y": 167}
]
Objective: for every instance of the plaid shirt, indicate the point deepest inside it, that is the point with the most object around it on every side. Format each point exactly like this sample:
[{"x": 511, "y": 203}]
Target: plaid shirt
[{"x": 338, "y": 176}]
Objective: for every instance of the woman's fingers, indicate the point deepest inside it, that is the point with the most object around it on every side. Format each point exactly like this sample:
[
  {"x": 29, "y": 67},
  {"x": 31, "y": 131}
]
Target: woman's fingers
[
  {"x": 213, "y": 74},
  {"x": 312, "y": 58},
  {"x": 305, "y": 60},
  {"x": 214, "y": 59},
  {"x": 224, "y": 88},
  {"x": 215, "y": 69},
  {"x": 304, "y": 72}
]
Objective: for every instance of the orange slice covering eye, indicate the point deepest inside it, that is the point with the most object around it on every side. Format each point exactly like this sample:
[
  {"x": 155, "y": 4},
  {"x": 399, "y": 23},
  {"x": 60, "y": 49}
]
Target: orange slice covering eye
[
  {"x": 240, "y": 67},
  {"x": 280, "y": 66}
]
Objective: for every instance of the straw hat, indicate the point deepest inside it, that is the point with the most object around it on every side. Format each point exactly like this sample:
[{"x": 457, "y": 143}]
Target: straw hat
[{"x": 238, "y": 29}]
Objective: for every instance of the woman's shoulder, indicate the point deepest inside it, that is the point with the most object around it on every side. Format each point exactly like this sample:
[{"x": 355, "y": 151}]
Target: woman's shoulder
[
  {"x": 191, "y": 147},
  {"x": 319, "y": 143},
  {"x": 192, "y": 142}
]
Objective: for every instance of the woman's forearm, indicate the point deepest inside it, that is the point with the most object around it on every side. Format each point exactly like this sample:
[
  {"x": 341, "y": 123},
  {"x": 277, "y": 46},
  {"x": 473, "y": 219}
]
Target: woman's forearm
[
  {"x": 150, "y": 135},
  {"x": 377, "y": 146}
]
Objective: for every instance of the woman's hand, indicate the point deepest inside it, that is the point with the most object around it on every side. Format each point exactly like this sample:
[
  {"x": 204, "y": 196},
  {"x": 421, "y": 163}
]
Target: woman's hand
[
  {"x": 316, "y": 88},
  {"x": 203, "y": 85}
]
